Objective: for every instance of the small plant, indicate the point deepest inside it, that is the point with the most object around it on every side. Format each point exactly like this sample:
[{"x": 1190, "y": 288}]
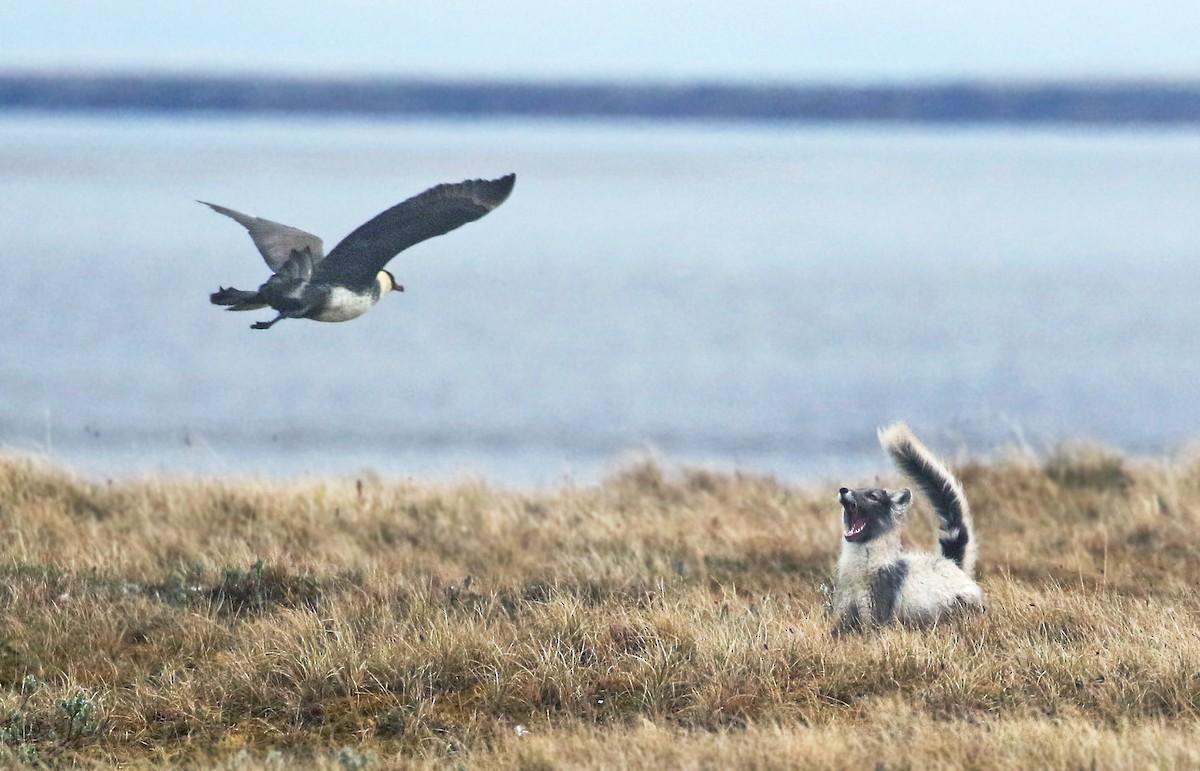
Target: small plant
[
  {"x": 261, "y": 588},
  {"x": 353, "y": 760},
  {"x": 16, "y": 726},
  {"x": 35, "y": 735},
  {"x": 81, "y": 717},
  {"x": 826, "y": 591}
]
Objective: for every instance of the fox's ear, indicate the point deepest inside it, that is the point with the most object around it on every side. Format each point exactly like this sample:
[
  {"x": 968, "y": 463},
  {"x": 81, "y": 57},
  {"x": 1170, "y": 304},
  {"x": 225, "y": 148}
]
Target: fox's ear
[{"x": 902, "y": 497}]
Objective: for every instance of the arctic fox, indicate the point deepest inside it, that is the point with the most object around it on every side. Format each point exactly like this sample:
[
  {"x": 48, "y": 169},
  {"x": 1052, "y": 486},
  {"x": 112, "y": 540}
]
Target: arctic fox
[{"x": 877, "y": 582}]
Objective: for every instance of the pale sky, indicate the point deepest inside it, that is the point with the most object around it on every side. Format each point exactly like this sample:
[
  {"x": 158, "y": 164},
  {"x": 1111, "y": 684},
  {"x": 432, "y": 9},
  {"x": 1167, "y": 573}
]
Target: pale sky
[{"x": 746, "y": 40}]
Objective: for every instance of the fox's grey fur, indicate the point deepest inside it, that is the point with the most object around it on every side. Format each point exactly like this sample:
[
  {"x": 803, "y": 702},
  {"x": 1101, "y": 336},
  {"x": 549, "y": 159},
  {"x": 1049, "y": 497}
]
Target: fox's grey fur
[{"x": 877, "y": 581}]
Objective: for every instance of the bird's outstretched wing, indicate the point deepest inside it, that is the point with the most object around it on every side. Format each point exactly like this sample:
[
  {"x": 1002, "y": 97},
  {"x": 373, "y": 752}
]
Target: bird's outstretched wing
[
  {"x": 361, "y": 255},
  {"x": 275, "y": 242},
  {"x": 299, "y": 267}
]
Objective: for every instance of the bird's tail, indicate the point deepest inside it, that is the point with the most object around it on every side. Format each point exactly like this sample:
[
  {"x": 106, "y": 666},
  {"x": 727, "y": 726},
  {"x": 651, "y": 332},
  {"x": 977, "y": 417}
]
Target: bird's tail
[
  {"x": 955, "y": 535},
  {"x": 237, "y": 299}
]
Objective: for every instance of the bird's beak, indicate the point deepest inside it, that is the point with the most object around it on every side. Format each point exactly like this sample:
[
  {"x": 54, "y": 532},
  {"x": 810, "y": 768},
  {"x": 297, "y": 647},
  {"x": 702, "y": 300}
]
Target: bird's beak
[{"x": 398, "y": 288}]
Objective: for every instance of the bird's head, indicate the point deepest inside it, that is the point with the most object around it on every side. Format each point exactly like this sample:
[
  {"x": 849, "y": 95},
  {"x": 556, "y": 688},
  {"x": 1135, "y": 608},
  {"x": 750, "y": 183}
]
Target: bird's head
[{"x": 387, "y": 283}]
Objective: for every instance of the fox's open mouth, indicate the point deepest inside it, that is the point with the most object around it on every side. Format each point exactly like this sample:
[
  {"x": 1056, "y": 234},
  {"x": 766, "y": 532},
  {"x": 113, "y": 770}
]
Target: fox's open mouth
[{"x": 855, "y": 521}]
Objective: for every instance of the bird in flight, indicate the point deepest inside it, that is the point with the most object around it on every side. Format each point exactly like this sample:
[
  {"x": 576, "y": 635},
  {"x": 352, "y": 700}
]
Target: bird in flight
[{"x": 308, "y": 284}]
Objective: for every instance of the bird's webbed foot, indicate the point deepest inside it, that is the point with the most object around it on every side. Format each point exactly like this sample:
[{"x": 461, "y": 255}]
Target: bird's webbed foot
[{"x": 265, "y": 324}]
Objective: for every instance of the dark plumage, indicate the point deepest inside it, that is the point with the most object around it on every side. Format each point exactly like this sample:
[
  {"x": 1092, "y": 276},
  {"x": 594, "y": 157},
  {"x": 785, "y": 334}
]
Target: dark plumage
[{"x": 342, "y": 285}]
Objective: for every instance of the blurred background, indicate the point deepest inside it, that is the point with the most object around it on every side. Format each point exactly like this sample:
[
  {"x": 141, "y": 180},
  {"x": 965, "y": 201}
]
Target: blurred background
[{"x": 739, "y": 238}]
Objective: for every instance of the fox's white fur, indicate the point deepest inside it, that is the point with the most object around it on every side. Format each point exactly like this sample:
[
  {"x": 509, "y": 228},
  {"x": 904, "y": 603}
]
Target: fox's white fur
[{"x": 877, "y": 581}]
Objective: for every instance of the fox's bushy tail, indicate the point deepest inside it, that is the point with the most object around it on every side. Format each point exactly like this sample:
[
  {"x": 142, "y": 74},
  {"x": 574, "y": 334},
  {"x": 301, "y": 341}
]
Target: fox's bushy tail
[{"x": 943, "y": 491}]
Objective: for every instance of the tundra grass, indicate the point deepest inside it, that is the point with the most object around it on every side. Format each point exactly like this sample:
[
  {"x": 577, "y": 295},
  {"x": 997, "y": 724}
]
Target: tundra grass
[{"x": 660, "y": 618}]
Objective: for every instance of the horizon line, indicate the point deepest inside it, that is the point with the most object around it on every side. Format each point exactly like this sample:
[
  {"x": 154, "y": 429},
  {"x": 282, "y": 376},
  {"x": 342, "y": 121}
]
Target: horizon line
[{"x": 1094, "y": 102}]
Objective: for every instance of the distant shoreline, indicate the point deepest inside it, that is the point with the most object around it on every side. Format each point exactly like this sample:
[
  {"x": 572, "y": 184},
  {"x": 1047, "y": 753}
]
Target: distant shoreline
[{"x": 1099, "y": 103}]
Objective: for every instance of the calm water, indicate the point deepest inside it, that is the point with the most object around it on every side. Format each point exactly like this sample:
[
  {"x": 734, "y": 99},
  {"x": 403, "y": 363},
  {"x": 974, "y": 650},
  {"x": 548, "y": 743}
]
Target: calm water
[{"x": 754, "y": 298}]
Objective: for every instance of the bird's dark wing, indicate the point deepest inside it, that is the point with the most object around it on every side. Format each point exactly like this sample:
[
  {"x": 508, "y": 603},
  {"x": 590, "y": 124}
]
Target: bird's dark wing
[
  {"x": 298, "y": 267},
  {"x": 275, "y": 242},
  {"x": 357, "y": 259}
]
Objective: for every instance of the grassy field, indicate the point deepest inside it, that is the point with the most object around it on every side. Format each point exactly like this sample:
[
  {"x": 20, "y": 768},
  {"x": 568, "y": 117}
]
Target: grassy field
[{"x": 662, "y": 618}]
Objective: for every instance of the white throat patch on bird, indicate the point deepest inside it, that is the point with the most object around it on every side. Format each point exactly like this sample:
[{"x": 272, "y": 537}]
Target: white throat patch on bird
[{"x": 387, "y": 283}]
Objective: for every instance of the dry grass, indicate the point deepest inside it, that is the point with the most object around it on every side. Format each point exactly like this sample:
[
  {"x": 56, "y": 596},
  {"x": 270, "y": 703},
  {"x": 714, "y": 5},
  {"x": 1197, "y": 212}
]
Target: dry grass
[{"x": 657, "y": 619}]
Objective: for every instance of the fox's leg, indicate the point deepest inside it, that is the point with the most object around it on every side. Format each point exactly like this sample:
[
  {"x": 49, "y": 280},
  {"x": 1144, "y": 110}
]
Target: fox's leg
[{"x": 849, "y": 621}]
